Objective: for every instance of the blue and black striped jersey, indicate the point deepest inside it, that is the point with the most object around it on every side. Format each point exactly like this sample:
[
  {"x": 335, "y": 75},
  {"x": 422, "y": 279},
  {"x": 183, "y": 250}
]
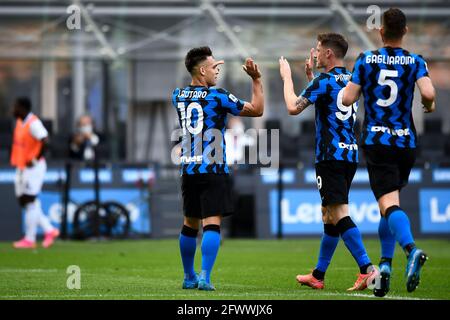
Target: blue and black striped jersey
[
  {"x": 202, "y": 114},
  {"x": 387, "y": 77},
  {"x": 335, "y": 138}
]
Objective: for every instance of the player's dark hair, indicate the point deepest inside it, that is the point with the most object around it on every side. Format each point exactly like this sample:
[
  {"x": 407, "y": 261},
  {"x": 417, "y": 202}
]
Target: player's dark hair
[
  {"x": 335, "y": 42},
  {"x": 195, "y": 56},
  {"x": 394, "y": 24},
  {"x": 24, "y": 103}
]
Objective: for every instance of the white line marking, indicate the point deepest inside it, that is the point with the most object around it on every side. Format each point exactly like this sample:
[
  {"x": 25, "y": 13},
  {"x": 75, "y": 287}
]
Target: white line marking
[
  {"x": 28, "y": 270},
  {"x": 215, "y": 294}
]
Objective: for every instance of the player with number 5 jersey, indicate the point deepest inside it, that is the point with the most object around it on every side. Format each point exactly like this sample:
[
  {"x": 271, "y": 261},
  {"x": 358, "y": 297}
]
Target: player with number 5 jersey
[
  {"x": 386, "y": 77},
  {"x": 206, "y": 187},
  {"x": 336, "y": 154}
]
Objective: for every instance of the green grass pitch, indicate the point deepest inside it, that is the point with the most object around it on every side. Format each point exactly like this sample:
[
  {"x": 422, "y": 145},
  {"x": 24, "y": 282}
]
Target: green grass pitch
[{"x": 245, "y": 269}]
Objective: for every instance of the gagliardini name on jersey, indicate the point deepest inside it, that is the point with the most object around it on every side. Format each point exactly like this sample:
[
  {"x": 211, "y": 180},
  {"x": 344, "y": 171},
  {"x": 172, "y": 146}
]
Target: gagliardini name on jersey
[{"x": 390, "y": 59}]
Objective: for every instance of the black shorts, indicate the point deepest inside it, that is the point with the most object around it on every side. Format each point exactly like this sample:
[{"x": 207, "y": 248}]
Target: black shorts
[
  {"x": 206, "y": 195},
  {"x": 388, "y": 167},
  {"x": 334, "y": 179}
]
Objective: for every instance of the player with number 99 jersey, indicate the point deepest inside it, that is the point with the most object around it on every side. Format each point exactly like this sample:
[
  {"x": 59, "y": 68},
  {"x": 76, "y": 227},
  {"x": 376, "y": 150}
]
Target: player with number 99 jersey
[
  {"x": 336, "y": 154},
  {"x": 335, "y": 138}
]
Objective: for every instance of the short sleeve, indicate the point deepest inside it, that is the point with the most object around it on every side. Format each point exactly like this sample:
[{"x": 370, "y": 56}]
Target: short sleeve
[
  {"x": 315, "y": 88},
  {"x": 174, "y": 97},
  {"x": 422, "y": 68},
  {"x": 38, "y": 130},
  {"x": 358, "y": 70},
  {"x": 229, "y": 102}
]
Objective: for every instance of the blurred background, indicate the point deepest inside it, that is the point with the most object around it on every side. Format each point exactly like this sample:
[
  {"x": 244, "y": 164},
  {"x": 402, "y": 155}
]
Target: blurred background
[{"x": 120, "y": 65}]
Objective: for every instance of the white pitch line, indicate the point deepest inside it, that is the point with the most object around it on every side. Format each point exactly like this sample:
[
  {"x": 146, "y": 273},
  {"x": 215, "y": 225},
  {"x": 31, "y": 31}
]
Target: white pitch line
[
  {"x": 369, "y": 296},
  {"x": 28, "y": 270},
  {"x": 215, "y": 294}
]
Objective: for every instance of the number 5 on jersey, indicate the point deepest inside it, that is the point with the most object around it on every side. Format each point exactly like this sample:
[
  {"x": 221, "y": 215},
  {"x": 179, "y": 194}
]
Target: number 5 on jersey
[
  {"x": 388, "y": 82},
  {"x": 186, "y": 115}
]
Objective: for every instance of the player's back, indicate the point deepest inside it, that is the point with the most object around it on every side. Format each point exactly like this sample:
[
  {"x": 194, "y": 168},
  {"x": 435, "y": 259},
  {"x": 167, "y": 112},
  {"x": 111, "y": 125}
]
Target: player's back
[
  {"x": 387, "y": 78},
  {"x": 335, "y": 138},
  {"x": 202, "y": 114}
]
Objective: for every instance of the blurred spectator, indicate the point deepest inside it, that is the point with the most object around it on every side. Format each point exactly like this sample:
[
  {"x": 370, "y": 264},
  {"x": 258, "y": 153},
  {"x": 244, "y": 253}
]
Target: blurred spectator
[{"x": 84, "y": 140}]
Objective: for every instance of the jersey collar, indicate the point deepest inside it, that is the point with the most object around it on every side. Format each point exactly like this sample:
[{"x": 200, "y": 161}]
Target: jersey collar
[
  {"x": 191, "y": 86},
  {"x": 336, "y": 68},
  {"x": 393, "y": 48}
]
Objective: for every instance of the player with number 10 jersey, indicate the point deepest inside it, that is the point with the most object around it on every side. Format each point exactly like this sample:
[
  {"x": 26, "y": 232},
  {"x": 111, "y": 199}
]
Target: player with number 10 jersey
[
  {"x": 205, "y": 184},
  {"x": 202, "y": 114}
]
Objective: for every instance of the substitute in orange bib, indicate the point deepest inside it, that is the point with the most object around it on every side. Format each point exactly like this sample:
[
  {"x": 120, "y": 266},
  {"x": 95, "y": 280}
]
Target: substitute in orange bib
[{"x": 29, "y": 144}]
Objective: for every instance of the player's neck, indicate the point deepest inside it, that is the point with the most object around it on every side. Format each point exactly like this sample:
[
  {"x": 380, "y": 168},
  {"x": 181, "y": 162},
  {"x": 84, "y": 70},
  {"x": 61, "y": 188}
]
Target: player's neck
[
  {"x": 334, "y": 64},
  {"x": 198, "y": 82},
  {"x": 393, "y": 44}
]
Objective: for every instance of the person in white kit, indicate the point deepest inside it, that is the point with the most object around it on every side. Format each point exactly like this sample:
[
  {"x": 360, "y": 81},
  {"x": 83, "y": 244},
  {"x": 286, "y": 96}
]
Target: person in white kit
[{"x": 29, "y": 144}]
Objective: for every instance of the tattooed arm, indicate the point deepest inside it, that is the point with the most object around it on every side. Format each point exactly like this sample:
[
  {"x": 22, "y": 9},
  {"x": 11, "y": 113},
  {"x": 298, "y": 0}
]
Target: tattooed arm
[
  {"x": 301, "y": 104},
  {"x": 294, "y": 104}
]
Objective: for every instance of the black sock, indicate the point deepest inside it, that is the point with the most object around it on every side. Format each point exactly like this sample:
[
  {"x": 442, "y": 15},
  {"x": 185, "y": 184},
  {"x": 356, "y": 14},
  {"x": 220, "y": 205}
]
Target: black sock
[
  {"x": 386, "y": 260},
  {"x": 408, "y": 248},
  {"x": 363, "y": 269},
  {"x": 319, "y": 275}
]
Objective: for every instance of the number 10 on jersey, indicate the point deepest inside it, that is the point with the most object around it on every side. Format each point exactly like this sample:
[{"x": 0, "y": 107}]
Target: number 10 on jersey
[{"x": 186, "y": 117}]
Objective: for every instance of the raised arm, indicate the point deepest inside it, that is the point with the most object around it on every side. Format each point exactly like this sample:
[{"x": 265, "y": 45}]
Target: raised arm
[
  {"x": 309, "y": 65},
  {"x": 255, "y": 108},
  {"x": 428, "y": 94},
  {"x": 294, "y": 104}
]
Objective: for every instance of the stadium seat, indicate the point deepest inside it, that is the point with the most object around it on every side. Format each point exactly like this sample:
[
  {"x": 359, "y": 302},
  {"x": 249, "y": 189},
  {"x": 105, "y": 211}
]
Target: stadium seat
[
  {"x": 59, "y": 147},
  {"x": 5, "y": 140},
  {"x": 273, "y": 124},
  {"x": 308, "y": 126},
  {"x": 4, "y": 155},
  {"x": 430, "y": 148},
  {"x": 289, "y": 147},
  {"x": 433, "y": 126},
  {"x": 6, "y": 125}
]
